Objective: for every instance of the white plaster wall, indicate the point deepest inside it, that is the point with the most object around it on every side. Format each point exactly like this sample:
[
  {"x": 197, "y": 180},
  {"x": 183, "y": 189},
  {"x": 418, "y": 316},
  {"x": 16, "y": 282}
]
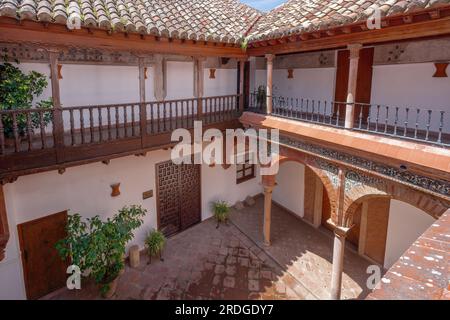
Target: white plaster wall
[
  {"x": 180, "y": 80},
  {"x": 225, "y": 83},
  {"x": 219, "y": 184},
  {"x": 86, "y": 190},
  {"x": 406, "y": 224},
  {"x": 411, "y": 85},
  {"x": 290, "y": 189},
  {"x": 308, "y": 83}
]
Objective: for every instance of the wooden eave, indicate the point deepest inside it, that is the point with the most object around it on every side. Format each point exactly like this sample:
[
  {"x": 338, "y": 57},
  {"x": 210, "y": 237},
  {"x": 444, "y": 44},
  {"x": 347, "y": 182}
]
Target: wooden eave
[
  {"x": 423, "y": 24},
  {"x": 59, "y": 36}
]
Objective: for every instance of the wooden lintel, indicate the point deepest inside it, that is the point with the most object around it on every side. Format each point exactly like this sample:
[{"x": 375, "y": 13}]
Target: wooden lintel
[
  {"x": 435, "y": 14},
  {"x": 58, "y": 36},
  {"x": 407, "y": 19},
  {"x": 417, "y": 30},
  {"x": 304, "y": 37},
  {"x": 346, "y": 30}
]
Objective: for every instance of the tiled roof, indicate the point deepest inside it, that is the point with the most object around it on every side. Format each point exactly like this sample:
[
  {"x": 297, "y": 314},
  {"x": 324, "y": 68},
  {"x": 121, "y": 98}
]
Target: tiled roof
[
  {"x": 212, "y": 20},
  {"x": 297, "y": 16},
  {"x": 215, "y": 20}
]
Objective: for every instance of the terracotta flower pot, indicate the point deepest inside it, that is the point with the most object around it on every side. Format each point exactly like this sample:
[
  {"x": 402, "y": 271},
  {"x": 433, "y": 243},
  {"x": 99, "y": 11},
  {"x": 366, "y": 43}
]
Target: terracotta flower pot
[{"x": 112, "y": 289}]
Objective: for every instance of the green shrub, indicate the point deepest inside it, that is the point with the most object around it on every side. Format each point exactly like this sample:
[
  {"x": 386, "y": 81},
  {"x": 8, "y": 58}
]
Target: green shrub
[
  {"x": 155, "y": 242},
  {"x": 18, "y": 91},
  {"x": 221, "y": 211},
  {"x": 99, "y": 246}
]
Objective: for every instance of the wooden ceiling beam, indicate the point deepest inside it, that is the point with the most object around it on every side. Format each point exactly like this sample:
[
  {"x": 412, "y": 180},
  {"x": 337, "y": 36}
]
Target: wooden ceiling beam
[{"x": 58, "y": 36}]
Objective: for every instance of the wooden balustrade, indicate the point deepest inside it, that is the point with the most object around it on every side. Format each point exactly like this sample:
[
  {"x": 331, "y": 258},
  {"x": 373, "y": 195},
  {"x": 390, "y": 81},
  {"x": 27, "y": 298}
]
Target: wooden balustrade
[{"x": 28, "y": 137}]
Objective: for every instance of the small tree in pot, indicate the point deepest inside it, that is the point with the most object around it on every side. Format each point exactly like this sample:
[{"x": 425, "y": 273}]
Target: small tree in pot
[
  {"x": 221, "y": 211},
  {"x": 98, "y": 247}
]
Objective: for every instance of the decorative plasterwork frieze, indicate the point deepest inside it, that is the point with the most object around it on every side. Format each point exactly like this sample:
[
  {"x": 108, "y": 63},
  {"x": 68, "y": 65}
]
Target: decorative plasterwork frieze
[
  {"x": 330, "y": 170},
  {"x": 401, "y": 176},
  {"x": 355, "y": 179}
]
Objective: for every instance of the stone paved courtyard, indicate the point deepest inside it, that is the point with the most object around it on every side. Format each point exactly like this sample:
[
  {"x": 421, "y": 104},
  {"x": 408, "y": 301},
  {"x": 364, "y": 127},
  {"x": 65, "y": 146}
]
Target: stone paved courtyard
[
  {"x": 202, "y": 263},
  {"x": 208, "y": 263},
  {"x": 304, "y": 252}
]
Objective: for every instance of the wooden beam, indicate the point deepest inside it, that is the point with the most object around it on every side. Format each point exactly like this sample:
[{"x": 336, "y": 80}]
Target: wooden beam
[
  {"x": 4, "y": 229},
  {"x": 58, "y": 36},
  {"x": 430, "y": 28}
]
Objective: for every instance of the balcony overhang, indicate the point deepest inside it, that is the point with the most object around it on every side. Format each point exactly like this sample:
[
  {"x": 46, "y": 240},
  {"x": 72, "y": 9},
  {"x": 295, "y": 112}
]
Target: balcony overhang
[{"x": 419, "y": 158}]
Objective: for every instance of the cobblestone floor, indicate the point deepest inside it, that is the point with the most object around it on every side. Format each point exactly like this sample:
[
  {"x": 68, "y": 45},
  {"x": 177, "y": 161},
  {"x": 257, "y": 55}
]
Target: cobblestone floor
[
  {"x": 202, "y": 263},
  {"x": 303, "y": 252}
]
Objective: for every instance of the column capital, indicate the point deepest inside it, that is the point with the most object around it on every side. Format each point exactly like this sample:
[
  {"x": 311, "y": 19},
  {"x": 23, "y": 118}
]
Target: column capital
[
  {"x": 354, "y": 49},
  {"x": 268, "y": 181},
  {"x": 339, "y": 231},
  {"x": 270, "y": 57}
]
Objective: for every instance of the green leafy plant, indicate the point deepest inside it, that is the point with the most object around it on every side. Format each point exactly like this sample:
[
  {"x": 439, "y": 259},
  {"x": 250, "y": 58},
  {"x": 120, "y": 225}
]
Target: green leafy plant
[
  {"x": 244, "y": 44},
  {"x": 18, "y": 91},
  {"x": 221, "y": 211},
  {"x": 155, "y": 242},
  {"x": 97, "y": 246}
]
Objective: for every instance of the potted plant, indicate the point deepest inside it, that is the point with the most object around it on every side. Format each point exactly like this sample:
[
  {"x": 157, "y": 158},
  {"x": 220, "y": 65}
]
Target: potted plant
[
  {"x": 18, "y": 91},
  {"x": 97, "y": 247},
  {"x": 154, "y": 242},
  {"x": 221, "y": 210}
]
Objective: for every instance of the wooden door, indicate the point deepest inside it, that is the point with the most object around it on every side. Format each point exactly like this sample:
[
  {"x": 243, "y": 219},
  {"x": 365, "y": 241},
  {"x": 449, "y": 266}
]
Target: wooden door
[
  {"x": 178, "y": 196},
  {"x": 190, "y": 195},
  {"x": 364, "y": 81},
  {"x": 44, "y": 270}
]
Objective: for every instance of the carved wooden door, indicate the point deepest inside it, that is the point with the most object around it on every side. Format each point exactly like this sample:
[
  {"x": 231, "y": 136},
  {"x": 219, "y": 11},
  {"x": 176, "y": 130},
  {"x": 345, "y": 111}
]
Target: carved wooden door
[
  {"x": 189, "y": 195},
  {"x": 178, "y": 196},
  {"x": 44, "y": 270}
]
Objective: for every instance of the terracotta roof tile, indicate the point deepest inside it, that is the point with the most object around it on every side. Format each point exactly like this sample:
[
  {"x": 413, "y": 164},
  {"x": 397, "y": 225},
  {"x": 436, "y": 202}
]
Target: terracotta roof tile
[
  {"x": 216, "y": 20},
  {"x": 297, "y": 16}
]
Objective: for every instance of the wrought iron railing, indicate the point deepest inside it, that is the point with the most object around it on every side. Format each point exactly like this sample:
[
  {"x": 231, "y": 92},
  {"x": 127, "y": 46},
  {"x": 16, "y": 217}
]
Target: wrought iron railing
[{"x": 419, "y": 124}]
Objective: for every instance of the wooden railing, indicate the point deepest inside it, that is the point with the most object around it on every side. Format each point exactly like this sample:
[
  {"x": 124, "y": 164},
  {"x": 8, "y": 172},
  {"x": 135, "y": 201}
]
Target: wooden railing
[{"x": 32, "y": 138}]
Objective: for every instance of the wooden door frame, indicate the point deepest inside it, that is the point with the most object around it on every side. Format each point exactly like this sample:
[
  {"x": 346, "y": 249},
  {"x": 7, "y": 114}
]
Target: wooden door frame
[
  {"x": 21, "y": 245},
  {"x": 158, "y": 210}
]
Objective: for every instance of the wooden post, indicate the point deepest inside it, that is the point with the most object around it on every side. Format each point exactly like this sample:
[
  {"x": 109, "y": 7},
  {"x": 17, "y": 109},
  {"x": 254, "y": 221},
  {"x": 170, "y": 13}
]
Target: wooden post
[
  {"x": 142, "y": 106},
  {"x": 241, "y": 84},
  {"x": 58, "y": 124},
  {"x": 268, "y": 183},
  {"x": 352, "y": 83},
  {"x": 269, "y": 58},
  {"x": 160, "y": 77},
  {"x": 199, "y": 70}
]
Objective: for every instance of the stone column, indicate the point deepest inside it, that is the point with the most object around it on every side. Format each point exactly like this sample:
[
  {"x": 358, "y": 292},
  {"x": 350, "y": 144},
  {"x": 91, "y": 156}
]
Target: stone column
[
  {"x": 268, "y": 183},
  {"x": 269, "y": 58},
  {"x": 340, "y": 234},
  {"x": 352, "y": 83}
]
